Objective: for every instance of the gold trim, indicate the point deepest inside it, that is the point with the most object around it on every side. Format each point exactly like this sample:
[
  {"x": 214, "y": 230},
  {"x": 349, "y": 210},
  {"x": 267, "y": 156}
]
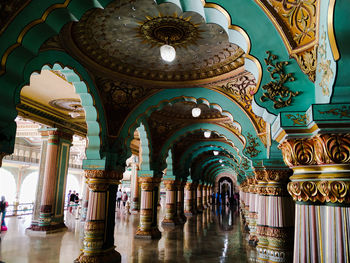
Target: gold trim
[
  {"x": 331, "y": 34},
  {"x": 323, "y": 168},
  {"x": 25, "y": 30}
]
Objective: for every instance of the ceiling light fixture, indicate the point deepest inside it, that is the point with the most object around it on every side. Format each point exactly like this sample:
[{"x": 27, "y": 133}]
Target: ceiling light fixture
[
  {"x": 216, "y": 152},
  {"x": 167, "y": 53},
  {"x": 222, "y": 165},
  {"x": 196, "y": 112},
  {"x": 220, "y": 161},
  {"x": 207, "y": 134},
  {"x": 74, "y": 113}
]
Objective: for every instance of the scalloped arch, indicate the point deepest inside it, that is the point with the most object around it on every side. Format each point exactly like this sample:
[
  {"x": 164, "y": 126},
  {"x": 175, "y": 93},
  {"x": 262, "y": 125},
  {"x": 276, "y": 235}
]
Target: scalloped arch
[
  {"x": 201, "y": 147},
  {"x": 197, "y": 95},
  {"x": 199, "y": 126}
]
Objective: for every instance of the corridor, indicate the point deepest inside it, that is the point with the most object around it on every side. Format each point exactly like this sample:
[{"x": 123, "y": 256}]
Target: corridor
[{"x": 214, "y": 236}]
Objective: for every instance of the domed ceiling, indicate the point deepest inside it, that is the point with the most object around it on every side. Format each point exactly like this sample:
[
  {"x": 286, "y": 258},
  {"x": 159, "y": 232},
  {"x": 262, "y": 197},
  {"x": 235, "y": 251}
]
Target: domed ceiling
[{"x": 124, "y": 39}]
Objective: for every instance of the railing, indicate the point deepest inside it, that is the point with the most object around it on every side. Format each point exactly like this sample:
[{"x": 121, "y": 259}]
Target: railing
[
  {"x": 19, "y": 209},
  {"x": 27, "y": 209}
]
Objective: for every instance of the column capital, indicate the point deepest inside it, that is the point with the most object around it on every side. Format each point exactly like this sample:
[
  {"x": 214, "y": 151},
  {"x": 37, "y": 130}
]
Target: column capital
[{"x": 99, "y": 180}]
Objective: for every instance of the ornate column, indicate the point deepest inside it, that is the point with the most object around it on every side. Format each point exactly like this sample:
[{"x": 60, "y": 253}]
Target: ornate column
[
  {"x": 180, "y": 205},
  {"x": 189, "y": 209},
  {"x": 54, "y": 184},
  {"x": 85, "y": 203},
  {"x": 209, "y": 194},
  {"x": 320, "y": 186},
  {"x": 39, "y": 188},
  {"x": 98, "y": 245},
  {"x": 148, "y": 227},
  {"x": 199, "y": 198},
  {"x": 205, "y": 200},
  {"x": 275, "y": 215},
  {"x": 170, "y": 218},
  {"x": 135, "y": 205},
  {"x": 253, "y": 213},
  {"x": 194, "y": 197}
]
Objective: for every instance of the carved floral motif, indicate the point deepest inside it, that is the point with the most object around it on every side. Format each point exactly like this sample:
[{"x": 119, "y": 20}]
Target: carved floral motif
[
  {"x": 298, "y": 119},
  {"x": 251, "y": 149},
  {"x": 322, "y": 149},
  {"x": 344, "y": 111},
  {"x": 321, "y": 191},
  {"x": 276, "y": 91},
  {"x": 324, "y": 66}
]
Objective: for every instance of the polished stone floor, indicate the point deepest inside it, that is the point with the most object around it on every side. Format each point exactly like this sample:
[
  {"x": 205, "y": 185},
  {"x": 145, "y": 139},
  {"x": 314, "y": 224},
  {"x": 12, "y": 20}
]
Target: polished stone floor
[{"x": 214, "y": 236}]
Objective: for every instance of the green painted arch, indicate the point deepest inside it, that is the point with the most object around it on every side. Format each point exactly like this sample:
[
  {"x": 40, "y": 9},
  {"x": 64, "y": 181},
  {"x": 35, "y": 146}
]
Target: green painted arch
[
  {"x": 215, "y": 169},
  {"x": 84, "y": 86},
  {"x": 199, "y": 170},
  {"x": 37, "y": 22},
  {"x": 236, "y": 17},
  {"x": 201, "y": 147},
  {"x": 197, "y": 95},
  {"x": 198, "y": 126}
]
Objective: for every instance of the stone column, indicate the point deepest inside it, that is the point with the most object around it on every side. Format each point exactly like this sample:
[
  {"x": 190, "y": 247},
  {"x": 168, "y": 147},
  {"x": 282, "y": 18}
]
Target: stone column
[
  {"x": 98, "y": 246},
  {"x": 39, "y": 188},
  {"x": 54, "y": 184},
  {"x": 148, "y": 227},
  {"x": 135, "y": 206},
  {"x": 253, "y": 213},
  {"x": 180, "y": 205},
  {"x": 320, "y": 186},
  {"x": 170, "y": 218},
  {"x": 205, "y": 206},
  {"x": 85, "y": 203},
  {"x": 275, "y": 215},
  {"x": 199, "y": 198},
  {"x": 194, "y": 197},
  {"x": 189, "y": 199}
]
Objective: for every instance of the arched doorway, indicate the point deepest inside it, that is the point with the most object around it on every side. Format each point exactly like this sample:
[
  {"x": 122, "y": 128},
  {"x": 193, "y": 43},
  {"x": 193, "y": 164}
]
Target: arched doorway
[{"x": 226, "y": 187}]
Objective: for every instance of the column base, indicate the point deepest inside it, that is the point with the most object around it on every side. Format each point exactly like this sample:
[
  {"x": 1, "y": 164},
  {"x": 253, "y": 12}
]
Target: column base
[
  {"x": 106, "y": 257},
  {"x": 170, "y": 222},
  {"x": 36, "y": 230},
  {"x": 135, "y": 211},
  {"x": 148, "y": 234}
]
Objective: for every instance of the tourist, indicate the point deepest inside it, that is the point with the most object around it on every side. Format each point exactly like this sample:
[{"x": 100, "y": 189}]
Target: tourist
[
  {"x": 119, "y": 197},
  {"x": 3, "y": 205},
  {"x": 71, "y": 201},
  {"x": 76, "y": 198},
  {"x": 124, "y": 198}
]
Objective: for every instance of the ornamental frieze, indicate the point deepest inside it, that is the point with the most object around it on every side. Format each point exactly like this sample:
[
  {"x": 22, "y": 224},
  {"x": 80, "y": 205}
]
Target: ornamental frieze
[
  {"x": 329, "y": 191},
  {"x": 297, "y": 23},
  {"x": 319, "y": 150}
]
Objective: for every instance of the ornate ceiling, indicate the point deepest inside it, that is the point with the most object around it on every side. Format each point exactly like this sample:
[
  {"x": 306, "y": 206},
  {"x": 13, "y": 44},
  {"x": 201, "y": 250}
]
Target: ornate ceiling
[{"x": 123, "y": 41}]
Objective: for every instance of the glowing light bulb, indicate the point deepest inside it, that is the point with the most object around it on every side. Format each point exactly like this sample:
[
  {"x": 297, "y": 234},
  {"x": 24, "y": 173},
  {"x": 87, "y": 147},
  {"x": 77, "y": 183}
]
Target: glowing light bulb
[
  {"x": 167, "y": 53},
  {"x": 207, "y": 134},
  {"x": 216, "y": 152},
  {"x": 220, "y": 161},
  {"x": 196, "y": 112}
]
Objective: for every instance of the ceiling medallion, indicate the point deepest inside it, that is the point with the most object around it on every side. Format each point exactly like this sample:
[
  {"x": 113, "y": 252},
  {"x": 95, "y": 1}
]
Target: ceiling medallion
[
  {"x": 67, "y": 105},
  {"x": 176, "y": 30}
]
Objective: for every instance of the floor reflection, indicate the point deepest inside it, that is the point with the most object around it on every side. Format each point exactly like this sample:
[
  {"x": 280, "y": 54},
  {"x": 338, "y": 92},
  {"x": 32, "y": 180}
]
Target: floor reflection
[{"x": 214, "y": 236}]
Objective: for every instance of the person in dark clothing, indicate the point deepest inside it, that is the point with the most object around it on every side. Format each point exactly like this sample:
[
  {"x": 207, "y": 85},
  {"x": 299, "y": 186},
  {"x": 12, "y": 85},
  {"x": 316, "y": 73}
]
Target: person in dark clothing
[
  {"x": 76, "y": 198},
  {"x": 71, "y": 201},
  {"x": 3, "y": 205}
]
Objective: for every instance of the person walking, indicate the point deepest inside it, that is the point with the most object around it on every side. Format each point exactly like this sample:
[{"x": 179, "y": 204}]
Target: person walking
[
  {"x": 119, "y": 197},
  {"x": 3, "y": 206},
  {"x": 124, "y": 198},
  {"x": 71, "y": 201}
]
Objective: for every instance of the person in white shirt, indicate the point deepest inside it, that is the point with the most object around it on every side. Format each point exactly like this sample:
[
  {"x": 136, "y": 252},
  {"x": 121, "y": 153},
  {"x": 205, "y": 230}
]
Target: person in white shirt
[{"x": 119, "y": 197}]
